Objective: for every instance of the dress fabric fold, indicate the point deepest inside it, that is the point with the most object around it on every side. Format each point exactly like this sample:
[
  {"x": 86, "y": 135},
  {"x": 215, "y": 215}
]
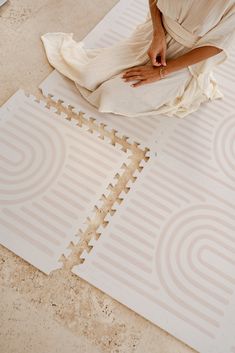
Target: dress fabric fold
[{"x": 188, "y": 24}]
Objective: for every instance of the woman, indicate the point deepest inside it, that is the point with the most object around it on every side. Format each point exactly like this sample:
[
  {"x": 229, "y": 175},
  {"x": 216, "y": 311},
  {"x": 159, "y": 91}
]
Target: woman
[{"x": 170, "y": 57}]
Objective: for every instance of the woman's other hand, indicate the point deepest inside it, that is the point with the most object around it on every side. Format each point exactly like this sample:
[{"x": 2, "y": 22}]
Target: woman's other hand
[
  {"x": 143, "y": 74},
  {"x": 157, "y": 49}
]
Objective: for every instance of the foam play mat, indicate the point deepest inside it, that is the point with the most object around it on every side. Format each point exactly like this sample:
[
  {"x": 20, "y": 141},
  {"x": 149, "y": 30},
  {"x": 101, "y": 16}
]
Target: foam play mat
[
  {"x": 53, "y": 173},
  {"x": 168, "y": 253}
]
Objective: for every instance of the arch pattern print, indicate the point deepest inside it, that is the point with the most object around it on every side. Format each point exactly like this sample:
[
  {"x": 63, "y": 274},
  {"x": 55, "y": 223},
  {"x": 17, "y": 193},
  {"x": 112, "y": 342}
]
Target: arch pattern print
[
  {"x": 42, "y": 152},
  {"x": 53, "y": 172},
  {"x": 184, "y": 244}
]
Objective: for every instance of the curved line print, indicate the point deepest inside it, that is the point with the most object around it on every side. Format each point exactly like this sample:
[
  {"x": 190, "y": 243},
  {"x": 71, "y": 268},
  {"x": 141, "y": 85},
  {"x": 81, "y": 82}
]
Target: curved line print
[
  {"x": 208, "y": 278},
  {"x": 194, "y": 282},
  {"x": 159, "y": 264},
  {"x": 60, "y": 165},
  {"x": 6, "y": 181},
  {"x": 26, "y": 168},
  {"x": 181, "y": 286}
]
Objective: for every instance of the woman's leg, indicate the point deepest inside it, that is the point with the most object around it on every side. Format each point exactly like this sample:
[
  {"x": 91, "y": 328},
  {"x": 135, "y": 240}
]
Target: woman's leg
[
  {"x": 117, "y": 96},
  {"x": 91, "y": 67}
]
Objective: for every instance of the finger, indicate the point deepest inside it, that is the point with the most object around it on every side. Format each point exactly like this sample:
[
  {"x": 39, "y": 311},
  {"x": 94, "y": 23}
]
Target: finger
[
  {"x": 153, "y": 58},
  {"x": 133, "y": 78},
  {"x": 131, "y": 73},
  {"x": 124, "y": 73},
  {"x": 134, "y": 68},
  {"x": 157, "y": 60},
  {"x": 163, "y": 57},
  {"x": 154, "y": 61},
  {"x": 140, "y": 83},
  {"x": 128, "y": 71}
]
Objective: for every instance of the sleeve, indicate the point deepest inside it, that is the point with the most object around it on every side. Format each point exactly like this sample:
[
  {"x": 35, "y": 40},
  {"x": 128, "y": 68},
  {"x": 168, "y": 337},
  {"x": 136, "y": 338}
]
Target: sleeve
[{"x": 221, "y": 36}]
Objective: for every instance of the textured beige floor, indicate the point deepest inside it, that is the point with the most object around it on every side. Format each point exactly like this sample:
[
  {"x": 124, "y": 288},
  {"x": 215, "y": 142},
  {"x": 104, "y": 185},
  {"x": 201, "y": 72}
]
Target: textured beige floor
[{"x": 60, "y": 312}]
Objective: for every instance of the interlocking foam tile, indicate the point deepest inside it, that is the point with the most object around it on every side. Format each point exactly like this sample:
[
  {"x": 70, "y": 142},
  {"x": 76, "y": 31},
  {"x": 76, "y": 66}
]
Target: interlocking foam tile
[
  {"x": 52, "y": 174},
  {"x": 116, "y": 25},
  {"x": 168, "y": 253}
]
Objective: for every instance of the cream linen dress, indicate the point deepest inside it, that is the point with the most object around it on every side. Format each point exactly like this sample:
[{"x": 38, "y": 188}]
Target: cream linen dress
[{"x": 188, "y": 24}]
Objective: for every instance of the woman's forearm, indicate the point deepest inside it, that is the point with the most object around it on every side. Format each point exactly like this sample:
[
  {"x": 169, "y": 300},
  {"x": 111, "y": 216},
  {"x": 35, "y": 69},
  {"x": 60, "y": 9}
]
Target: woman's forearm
[
  {"x": 192, "y": 57},
  {"x": 156, "y": 17}
]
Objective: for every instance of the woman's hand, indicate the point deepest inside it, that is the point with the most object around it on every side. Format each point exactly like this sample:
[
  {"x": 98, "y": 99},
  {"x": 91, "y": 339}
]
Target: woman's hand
[
  {"x": 158, "y": 45},
  {"x": 145, "y": 74},
  {"x": 158, "y": 48}
]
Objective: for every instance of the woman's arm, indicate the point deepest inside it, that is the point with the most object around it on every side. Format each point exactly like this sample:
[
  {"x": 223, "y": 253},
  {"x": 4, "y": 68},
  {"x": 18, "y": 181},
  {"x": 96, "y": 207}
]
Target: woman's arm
[
  {"x": 146, "y": 73},
  {"x": 156, "y": 16},
  {"x": 157, "y": 49},
  {"x": 190, "y": 58}
]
